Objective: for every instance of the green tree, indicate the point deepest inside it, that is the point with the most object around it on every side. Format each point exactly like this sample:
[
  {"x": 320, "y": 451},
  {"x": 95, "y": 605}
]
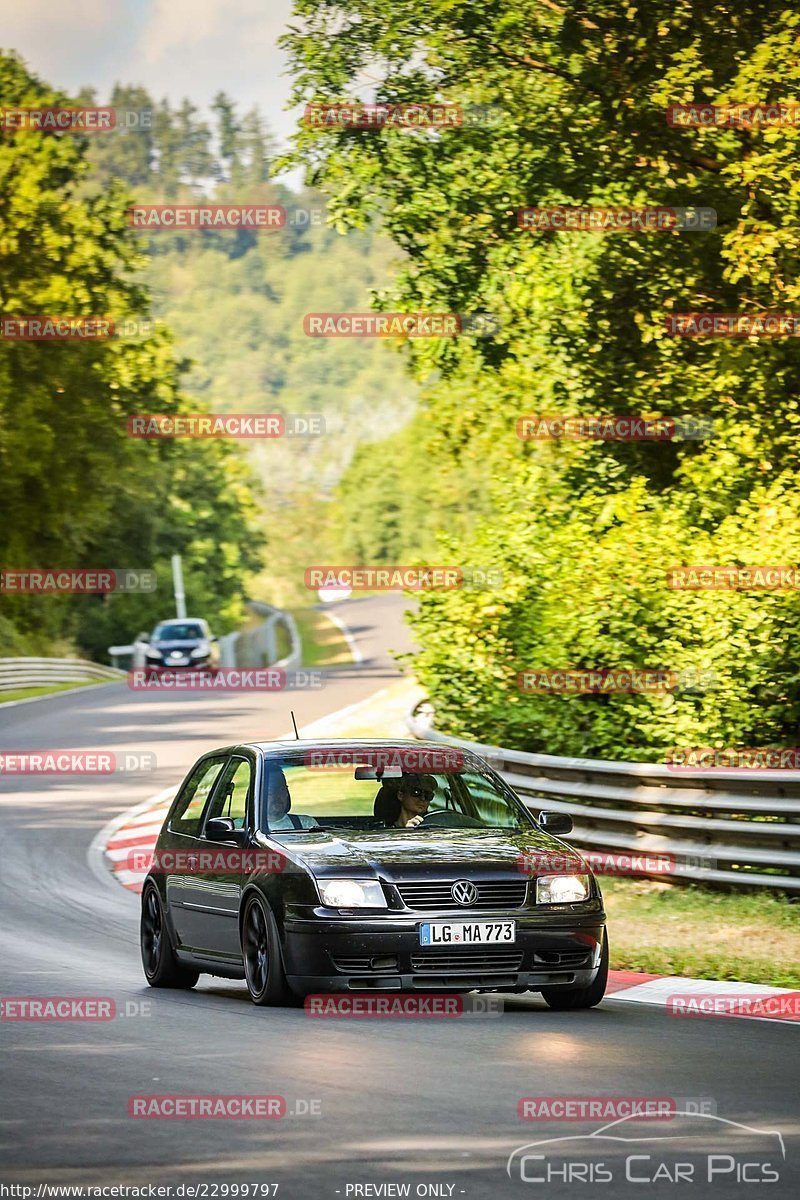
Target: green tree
[
  {"x": 582, "y": 92},
  {"x": 129, "y": 153},
  {"x": 75, "y": 490}
]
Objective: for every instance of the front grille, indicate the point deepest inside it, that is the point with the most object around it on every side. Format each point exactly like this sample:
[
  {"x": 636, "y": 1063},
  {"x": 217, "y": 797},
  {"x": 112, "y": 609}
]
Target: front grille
[
  {"x": 467, "y": 960},
  {"x": 435, "y": 893}
]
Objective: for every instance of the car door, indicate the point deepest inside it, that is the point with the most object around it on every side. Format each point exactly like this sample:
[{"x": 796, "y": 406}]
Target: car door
[
  {"x": 216, "y": 887},
  {"x": 180, "y": 849}
]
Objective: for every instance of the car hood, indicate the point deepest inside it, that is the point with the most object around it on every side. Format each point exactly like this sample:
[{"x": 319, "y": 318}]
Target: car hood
[
  {"x": 174, "y": 644},
  {"x": 403, "y": 855}
]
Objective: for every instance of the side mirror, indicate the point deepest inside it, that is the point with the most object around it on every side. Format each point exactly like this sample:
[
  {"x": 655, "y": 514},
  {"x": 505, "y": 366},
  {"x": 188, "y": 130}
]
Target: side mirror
[
  {"x": 213, "y": 638},
  {"x": 555, "y": 822},
  {"x": 222, "y": 829}
]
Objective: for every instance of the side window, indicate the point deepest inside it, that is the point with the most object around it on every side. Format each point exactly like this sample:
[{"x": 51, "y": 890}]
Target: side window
[
  {"x": 231, "y": 797},
  {"x": 192, "y": 801}
]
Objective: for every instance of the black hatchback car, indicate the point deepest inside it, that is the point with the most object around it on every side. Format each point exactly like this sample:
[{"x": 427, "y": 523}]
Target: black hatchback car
[
  {"x": 180, "y": 645},
  {"x": 364, "y": 866}
]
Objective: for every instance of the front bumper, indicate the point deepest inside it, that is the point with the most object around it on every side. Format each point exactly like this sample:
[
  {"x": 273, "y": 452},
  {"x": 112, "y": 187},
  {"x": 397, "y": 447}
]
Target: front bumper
[
  {"x": 196, "y": 664},
  {"x": 354, "y": 954}
]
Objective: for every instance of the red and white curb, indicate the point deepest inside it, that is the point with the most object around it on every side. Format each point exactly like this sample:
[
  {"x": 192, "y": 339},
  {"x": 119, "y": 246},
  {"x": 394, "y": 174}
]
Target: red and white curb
[
  {"x": 686, "y": 998},
  {"x": 127, "y": 844}
]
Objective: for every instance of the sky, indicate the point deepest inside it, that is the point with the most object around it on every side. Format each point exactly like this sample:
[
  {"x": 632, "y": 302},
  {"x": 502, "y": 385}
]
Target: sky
[{"x": 174, "y": 48}]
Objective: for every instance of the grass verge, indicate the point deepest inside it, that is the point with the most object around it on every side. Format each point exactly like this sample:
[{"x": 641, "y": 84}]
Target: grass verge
[
  {"x": 668, "y": 929},
  {"x": 50, "y": 689},
  {"x": 324, "y": 645}
]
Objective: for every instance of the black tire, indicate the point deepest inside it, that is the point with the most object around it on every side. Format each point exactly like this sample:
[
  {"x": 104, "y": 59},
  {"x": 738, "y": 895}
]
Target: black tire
[
  {"x": 261, "y": 952},
  {"x": 161, "y": 968},
  {"x": 563, "y": 999}
]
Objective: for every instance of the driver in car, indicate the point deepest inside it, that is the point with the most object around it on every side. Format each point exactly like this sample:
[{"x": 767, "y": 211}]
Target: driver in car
[{"x": 415, "y": 793}]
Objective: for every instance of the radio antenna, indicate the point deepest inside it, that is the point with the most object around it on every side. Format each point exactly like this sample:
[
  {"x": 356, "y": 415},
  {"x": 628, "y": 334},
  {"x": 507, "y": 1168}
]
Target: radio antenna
[{"x": 296, "y": 734}]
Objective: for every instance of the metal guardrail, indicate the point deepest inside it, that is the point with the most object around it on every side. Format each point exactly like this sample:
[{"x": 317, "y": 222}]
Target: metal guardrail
[
  {"x": 19, "y": 673},
  {"x": 725, "y": 828},
  {"x": 260, "y": 645},
  {"x": 134, "y": 653}
]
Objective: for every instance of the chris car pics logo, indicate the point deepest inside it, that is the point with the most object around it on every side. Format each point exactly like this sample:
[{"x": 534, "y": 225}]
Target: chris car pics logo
[{"x": 686, "y": 1148}]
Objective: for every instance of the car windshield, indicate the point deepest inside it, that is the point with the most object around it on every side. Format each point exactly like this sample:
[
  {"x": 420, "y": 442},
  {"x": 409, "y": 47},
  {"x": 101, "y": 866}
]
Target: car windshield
[
  {"x": 298, "y": 796},
  {"x": 179, "y": 631}
]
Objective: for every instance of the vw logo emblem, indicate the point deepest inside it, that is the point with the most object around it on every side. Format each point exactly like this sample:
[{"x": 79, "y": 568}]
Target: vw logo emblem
[{"x": 464, "y": 892}]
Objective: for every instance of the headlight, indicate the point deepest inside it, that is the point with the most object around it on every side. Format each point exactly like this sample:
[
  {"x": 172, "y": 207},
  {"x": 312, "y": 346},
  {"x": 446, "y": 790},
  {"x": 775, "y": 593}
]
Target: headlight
[
  {"x": 200, "y": 651},
  {"x": 562, "y": 889},
  {"x": 351, "y": 893},
  {"x": 154, "y": 654}
]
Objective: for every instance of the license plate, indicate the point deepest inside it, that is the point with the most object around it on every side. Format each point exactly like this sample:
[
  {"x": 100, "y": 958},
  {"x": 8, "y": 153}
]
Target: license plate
[{"x": 467, "y": 933}]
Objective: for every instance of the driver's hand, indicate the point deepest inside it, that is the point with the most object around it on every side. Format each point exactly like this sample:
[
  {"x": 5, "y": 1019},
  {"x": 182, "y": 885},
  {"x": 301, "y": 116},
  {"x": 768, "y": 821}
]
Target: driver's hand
[{"x": 414, "y": 821}]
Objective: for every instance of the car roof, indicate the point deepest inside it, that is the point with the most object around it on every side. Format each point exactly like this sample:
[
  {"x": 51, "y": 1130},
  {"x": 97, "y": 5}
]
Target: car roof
[
  {"x": 282, "y": 747},
  {"x": 181, "y": 621},
  {"x": 285, "y": 745}
]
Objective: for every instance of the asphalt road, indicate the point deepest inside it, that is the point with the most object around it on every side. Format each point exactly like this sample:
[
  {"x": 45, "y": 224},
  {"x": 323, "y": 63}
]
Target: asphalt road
[{"x": 427, "y": 1103}]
